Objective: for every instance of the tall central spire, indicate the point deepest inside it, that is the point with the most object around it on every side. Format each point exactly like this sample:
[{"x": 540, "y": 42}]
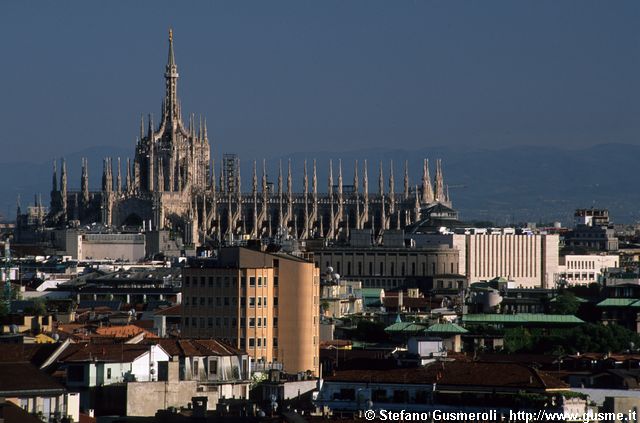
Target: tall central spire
[{"x": 171, "y": 109}]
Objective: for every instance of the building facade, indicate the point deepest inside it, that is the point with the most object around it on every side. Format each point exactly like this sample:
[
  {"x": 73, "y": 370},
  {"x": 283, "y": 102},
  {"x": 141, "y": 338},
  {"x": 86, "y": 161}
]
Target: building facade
[
  {"x": 265, "y": 303},
  {"x": 586, "y": 269}
]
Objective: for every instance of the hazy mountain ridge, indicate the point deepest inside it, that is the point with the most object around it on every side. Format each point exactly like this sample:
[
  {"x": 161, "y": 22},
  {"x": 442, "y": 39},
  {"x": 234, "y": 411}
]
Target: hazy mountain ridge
[{"x": 504, "y": 185}]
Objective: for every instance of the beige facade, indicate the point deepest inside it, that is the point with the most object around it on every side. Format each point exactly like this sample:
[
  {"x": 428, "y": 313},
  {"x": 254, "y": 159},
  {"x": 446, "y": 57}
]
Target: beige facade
[
  {"x": 266, "y": 304},
  {"x": 585, "y": 269},
  {"x": 388, "y": 267},
  {"x": 530, "y": 261}
]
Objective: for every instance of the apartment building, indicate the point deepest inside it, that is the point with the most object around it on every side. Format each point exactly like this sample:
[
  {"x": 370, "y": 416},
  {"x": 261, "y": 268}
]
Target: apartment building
[{"x": 267, "y": 304}]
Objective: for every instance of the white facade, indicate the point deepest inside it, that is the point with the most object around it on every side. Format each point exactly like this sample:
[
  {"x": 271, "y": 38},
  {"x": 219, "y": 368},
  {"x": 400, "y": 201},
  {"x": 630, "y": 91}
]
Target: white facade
[
  {"x": 530, "y": 261},
  {"x": 585, "y": 269}
]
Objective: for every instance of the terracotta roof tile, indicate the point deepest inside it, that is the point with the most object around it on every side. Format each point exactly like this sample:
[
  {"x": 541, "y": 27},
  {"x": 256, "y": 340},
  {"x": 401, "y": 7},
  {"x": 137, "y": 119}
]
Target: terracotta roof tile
[{"x": 126, "y": 331}]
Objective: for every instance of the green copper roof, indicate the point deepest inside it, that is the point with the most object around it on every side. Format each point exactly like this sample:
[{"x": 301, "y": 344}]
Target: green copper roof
[
  {"x": 445, "y": 328},
  {"x": 405, "y": 327},
  {"x": 620, "y": 302},
  {"x": 521, "y": 318},
  {"x": 371, "y": 292}
]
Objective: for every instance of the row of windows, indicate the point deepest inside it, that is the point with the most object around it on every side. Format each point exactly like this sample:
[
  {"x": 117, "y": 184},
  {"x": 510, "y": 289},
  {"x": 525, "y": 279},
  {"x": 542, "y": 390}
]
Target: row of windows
[
  {"x": 210, "y": 281},
  {"x": 209, "y": 322},
  {"x": 257, "y": 342},
  {"x": 209, "y": 301},
  {"x": 227, "y": 301},
  {"x": 391, "y": 269}
]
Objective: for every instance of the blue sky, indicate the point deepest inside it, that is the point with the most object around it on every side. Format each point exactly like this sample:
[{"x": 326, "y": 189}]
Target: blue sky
[{"x": 295, "y": 76}]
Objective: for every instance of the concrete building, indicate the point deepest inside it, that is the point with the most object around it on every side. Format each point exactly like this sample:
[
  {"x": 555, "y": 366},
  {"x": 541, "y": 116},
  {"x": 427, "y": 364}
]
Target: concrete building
[
  {"x": 528, "y": 260},
  {"x": 585, "y": 269},
  {"x": 266, "y": 304},
  {"x": 341, "y": 298},
  {"x": 83, "y": 245},
  {"x": 388, "y": 266},
  {"x": 592, "y": 232}
]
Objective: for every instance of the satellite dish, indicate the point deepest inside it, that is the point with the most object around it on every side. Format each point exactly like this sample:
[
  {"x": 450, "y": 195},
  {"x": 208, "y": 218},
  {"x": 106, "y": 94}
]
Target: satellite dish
[{"x": 329, "y": 269}]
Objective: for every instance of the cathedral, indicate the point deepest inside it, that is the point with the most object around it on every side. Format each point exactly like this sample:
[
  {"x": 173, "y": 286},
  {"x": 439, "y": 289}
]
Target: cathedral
[{"x": 171, "y": 185}]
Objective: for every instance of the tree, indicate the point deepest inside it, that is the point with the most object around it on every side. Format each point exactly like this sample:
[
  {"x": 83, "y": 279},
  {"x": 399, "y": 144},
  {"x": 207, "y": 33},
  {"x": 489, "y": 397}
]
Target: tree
[
  {"x": 565, "y": 303},
  {"x": 517, "y": 339}
]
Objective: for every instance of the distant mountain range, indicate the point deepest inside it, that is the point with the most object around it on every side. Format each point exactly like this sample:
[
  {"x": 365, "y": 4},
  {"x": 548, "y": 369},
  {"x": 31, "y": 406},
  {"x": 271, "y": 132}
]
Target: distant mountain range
[{"x": 506, "y": 186}]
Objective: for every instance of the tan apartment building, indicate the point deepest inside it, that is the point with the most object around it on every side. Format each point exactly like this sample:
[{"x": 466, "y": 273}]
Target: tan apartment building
[{"x": 267, "y": 304}]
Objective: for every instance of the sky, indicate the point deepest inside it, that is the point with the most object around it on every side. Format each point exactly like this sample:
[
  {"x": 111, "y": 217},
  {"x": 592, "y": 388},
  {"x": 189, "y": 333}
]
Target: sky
[{"x": 276, "y": 77}]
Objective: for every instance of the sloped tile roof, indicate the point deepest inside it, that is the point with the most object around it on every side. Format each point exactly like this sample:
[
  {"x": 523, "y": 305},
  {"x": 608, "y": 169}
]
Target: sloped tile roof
[{"x": 18, "y": 377}]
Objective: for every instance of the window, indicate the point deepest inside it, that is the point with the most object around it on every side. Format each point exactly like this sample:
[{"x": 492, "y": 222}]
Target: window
[
  {"x": 275, "y": 301},
  {"x": 210, "y": 322},
  {"x": 276, "y": 263},
  {"x": 213, "y": 367},
  {"x": 187, "y": 281},
  {"x": 252, "y": 322},
  {"x": 275, "y": 342},
  {"x": 218, "y": 321},
  {"x": 234, "y": 322},
  {"x": 218, "y": 301},
  {"x": 243, "y": 301},
  {"x": 186, "y": 322},
  {"x": 202, "y": 281},
  {"x": 210, "y": 281},
  {"x": 226, "y": 281},
  {"x": 194, "y": 301},
  {"x": 202, "y": 300},
  {"x": 210, "y": 301},
  {"x": 252, "y": 302},
  {"x": 275, "y": 281},
  {"x": 259, "y": 280},
  {"x": 264, "y": 322},
  {"x": 264, "y": 301},
  {"x": 109, "y": 373},
  {"x": 202, "y": 322},
  {"x": 275, "y": 322},
  {"x": 219, "y": 282},
  {"x": 252, "y": 281},
  {"x": 259, "y": 342},
  {"x": 242, "y": 343},
  {"x": 242, "y": 322},
  {"x": 259, "y": 301},
  {"x": 252, "y": 342},
  {"x": 226, "y": 301},
  {"x": 259, "y": 322}
]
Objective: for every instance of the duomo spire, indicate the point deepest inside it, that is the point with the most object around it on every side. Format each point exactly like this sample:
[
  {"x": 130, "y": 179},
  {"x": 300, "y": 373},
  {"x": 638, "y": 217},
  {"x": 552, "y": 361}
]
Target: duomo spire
[{"x": 170, "y": 185}]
